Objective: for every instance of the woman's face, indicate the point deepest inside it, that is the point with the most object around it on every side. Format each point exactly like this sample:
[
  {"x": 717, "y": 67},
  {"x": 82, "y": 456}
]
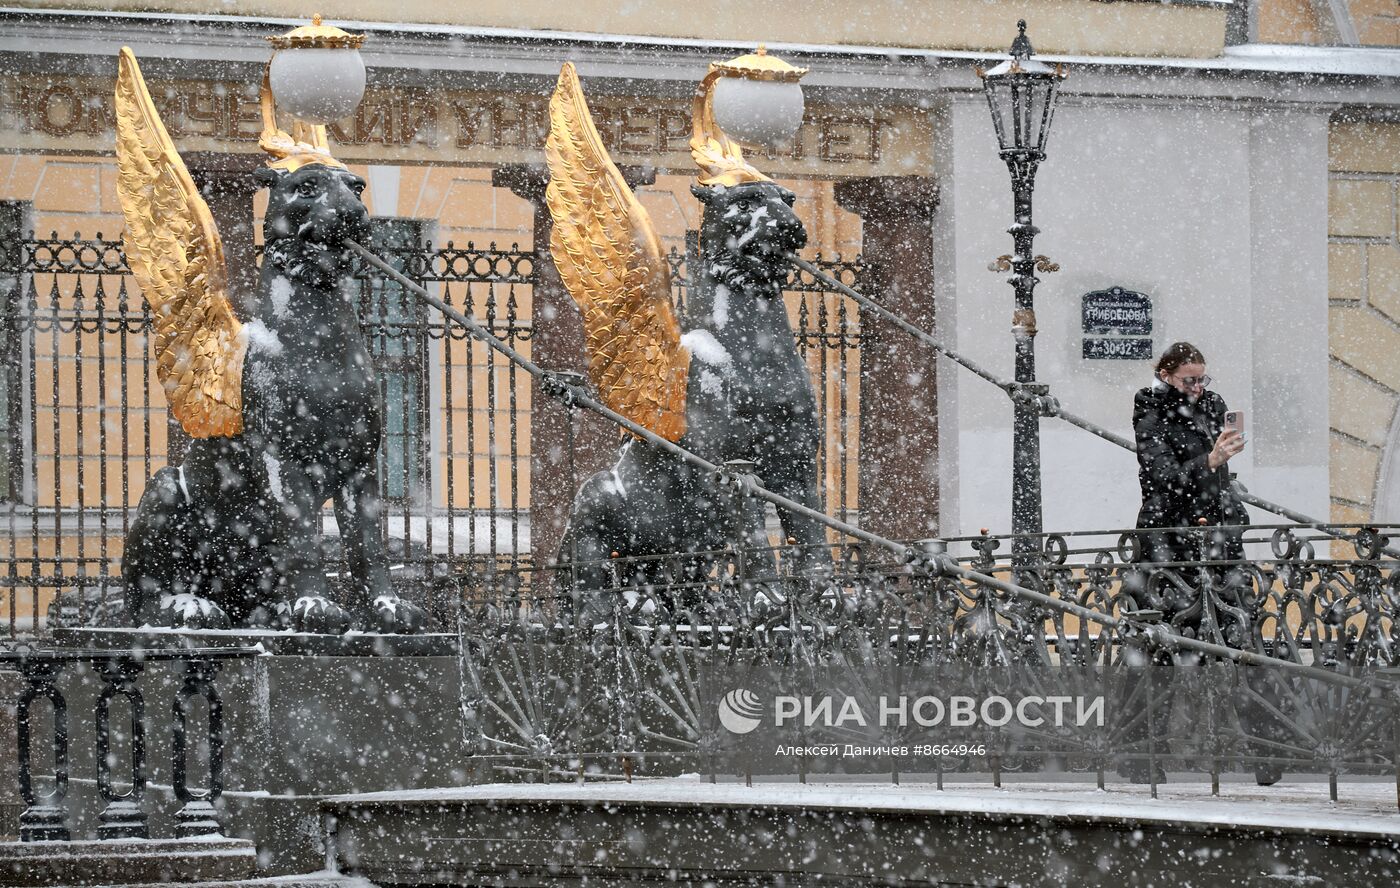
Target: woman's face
[{"x": 1189, "y": 379}]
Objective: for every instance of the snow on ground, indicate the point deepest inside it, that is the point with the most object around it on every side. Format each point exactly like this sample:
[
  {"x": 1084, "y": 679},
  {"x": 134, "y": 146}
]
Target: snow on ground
[{"x": 1363, "y": 807}]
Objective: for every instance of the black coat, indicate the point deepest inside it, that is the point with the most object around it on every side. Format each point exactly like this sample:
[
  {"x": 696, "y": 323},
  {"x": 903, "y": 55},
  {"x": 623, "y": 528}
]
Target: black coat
[{"x": 1174, "y": 441}]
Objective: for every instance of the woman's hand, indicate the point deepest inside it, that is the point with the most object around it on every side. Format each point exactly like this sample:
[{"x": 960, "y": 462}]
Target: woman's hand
[{"x": 1227, "y": 445}]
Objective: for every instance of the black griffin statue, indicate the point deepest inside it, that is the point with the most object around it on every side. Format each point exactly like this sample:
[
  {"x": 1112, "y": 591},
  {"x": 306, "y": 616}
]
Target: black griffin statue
[
  {"x": 732, "y": 387},
  {"x": 284, "y": 409}
]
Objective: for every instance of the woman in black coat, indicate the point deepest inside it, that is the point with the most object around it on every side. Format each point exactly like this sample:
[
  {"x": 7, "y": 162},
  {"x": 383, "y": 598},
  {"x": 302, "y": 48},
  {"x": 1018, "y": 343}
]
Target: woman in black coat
[{"x": 1183, "y": 455}]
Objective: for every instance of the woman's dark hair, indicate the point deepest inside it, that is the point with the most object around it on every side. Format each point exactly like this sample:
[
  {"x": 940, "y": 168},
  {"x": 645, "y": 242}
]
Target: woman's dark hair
[{"x": 1179, "y": 353}]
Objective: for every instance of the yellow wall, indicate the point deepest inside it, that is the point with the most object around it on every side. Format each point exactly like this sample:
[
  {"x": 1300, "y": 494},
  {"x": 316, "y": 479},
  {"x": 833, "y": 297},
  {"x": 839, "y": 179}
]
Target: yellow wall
[
  {"x": 1363, "y": 274},
  {"x": 76, "y": 196},
  {"x": 1377, "y": 22},
  {"x": 78, "y": 376},
  {"x": 1289, "y": 21}
]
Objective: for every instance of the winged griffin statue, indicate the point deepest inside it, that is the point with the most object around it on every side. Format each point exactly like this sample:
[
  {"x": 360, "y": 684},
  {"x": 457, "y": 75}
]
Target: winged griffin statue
[
  {"x": 732, "y": 387},
  {"x": 283, "y": 406}
]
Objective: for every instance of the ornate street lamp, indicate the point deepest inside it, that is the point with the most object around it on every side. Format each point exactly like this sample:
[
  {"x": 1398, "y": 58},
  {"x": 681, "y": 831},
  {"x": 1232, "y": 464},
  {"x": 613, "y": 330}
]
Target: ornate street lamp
[
  {"x": 316, "y": 73},
  {"x": 756, "y": 98},
  {"x": 1021, "y": 94}
]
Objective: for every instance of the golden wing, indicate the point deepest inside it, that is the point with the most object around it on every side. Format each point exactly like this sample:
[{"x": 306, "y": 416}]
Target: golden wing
[
  {"x": 176, "y": 256},
  {"x": 611, "y": 262}
]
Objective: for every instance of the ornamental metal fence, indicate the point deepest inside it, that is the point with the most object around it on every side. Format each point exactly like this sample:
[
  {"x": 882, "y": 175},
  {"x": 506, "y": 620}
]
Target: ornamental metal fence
[
  {"x": 732, "y": 663},
  {"x": 83, "y": 422},
  {"x": 751, "y": 668}
]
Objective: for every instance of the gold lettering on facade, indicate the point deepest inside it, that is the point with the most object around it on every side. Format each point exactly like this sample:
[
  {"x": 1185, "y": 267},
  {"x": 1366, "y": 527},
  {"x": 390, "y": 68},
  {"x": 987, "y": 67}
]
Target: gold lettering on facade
[
  {"x": 75, "y": 113},
  {"x": 63, "y": 110},
  {"x": 605, "y": 120},
  {"x": 245, "y": 117},
  {"x": 675, "y": 131},
  {"x": 507, "y": 124},
  {"x": 468, "y": 121},
  {"x": 206, "y": 108},
  {"x": 835, "y": 138},
  {"x": 418, "y": 120},
  {"x": 374, "y": 123},
  {"x": 640, "y": 132},
  {"x": 60, "y": 109}
]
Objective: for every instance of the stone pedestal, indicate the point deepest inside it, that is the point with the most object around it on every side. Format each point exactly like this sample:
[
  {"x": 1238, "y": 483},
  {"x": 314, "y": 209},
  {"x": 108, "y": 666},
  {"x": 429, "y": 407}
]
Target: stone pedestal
[{"x": 898, "y": 375}]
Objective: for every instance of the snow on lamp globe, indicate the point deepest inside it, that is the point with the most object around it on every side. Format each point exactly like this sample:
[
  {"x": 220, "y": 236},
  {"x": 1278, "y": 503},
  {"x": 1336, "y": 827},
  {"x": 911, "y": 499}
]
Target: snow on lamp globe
[
  {"x": 755, "y": 98},
  {"x": 316, "y": 73}
]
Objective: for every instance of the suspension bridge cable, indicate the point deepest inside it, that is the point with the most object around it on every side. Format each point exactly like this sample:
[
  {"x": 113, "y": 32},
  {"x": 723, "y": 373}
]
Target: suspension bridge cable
[
  {"x": 1051, "y": 405},
  {"x": 942, "y": 565}
]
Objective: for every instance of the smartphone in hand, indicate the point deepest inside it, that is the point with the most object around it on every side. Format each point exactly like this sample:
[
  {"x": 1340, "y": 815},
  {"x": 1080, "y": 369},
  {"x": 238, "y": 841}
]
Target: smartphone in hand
[{"x": 1234, "y": 420}]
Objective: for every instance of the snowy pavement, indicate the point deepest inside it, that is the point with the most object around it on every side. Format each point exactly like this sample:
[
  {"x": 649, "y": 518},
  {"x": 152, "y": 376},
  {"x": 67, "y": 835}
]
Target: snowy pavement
[{"x": 1363, "y": 808}]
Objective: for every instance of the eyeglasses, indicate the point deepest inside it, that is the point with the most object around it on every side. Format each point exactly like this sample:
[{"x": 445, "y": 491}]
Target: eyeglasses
[{"x": 1193, "y": 381}]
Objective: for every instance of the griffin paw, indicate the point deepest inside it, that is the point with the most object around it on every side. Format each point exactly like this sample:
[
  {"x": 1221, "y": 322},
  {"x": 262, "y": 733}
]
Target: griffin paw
[
  {"x": 186, "y": 611},
  {"x": 316, "y": 613},
  {"x": 399, "y": 616},
  {"x": 278, "y": 617}
]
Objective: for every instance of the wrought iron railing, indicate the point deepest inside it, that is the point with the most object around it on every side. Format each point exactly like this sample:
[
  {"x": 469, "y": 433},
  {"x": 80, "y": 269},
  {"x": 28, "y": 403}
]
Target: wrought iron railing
[
  {"x": 1035, "y": 394},
  {"x": 741, "y": 665},
  {"x": 84, "y": 424},
  {"x": 1215, "y": 611}
]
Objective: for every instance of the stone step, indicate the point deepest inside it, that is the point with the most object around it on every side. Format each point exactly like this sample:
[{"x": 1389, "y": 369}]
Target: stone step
[
  {"x": 126, "y": 862},
  {"x": 309, "y": 880},
  {"x": 653, "y": 834}
]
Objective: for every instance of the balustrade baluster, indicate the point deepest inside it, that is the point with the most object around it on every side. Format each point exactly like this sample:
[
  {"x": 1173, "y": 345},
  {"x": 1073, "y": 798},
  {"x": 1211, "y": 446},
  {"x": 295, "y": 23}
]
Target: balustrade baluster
[
  {"x": 198, "y": 816},
  {"x": 124, "y": 816},
  {"x": 45, "y": 817}
]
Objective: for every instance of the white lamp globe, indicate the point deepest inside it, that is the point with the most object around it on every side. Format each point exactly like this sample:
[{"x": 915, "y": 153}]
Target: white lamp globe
[
  {"x": 318, "y": 86},
  {"x": 316, "y": 73},
  {"x": 760, "y": 112}
]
